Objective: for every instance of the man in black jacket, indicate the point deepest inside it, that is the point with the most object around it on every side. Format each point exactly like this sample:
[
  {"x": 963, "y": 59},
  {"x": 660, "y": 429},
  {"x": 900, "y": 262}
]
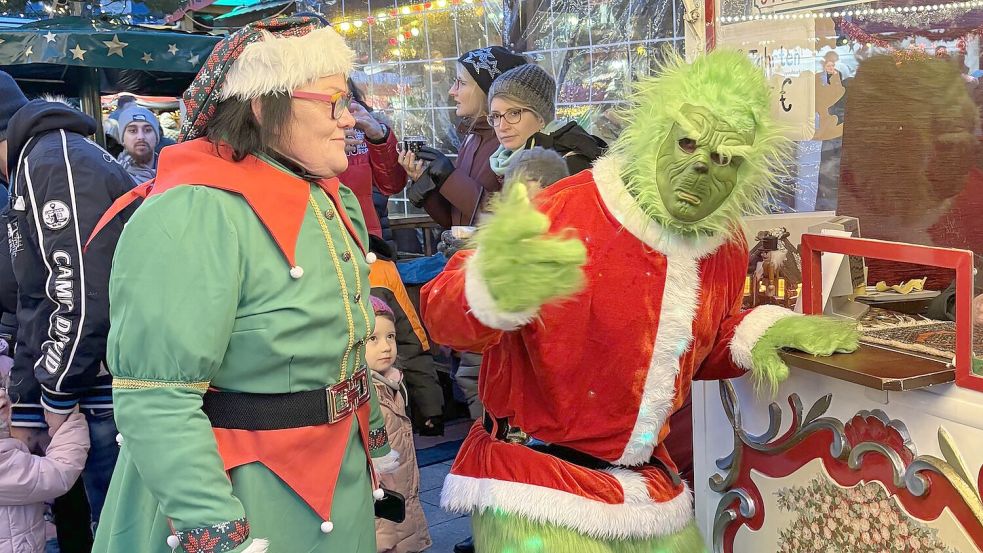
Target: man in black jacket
[{"x": 60, "y": 185}]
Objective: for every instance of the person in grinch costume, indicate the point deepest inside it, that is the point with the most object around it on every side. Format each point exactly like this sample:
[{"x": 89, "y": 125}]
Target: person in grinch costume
[
  {"x": 596, "y": 304},
  {"x": 240, "y": 310}
]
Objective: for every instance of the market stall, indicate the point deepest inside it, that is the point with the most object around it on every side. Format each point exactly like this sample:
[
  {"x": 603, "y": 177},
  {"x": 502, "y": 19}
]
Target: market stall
[
  {"x": 882, "y": 449},
  {"x": 85, "y": 58}
]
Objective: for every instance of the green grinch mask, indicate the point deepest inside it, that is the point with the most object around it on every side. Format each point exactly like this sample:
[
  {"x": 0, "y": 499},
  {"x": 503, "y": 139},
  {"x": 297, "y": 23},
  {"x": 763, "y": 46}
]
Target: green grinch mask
[
  {"x": 694, "y": 177},
  {"x": 702, "y": 148}
]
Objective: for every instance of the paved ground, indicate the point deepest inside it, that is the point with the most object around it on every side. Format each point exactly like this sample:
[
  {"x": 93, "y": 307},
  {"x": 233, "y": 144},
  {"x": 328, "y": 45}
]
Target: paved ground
[{"x": 446, "y": 529}]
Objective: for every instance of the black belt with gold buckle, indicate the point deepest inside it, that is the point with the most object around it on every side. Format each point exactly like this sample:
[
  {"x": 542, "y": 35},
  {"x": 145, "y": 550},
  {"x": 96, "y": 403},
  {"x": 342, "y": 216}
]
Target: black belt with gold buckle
[
  {"x": 245, "y": 411},
  {"x": 503, "y": 431}
]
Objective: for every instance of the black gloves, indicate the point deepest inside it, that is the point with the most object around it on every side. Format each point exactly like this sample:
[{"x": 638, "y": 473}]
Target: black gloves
[{"x": 439, "y": 168}]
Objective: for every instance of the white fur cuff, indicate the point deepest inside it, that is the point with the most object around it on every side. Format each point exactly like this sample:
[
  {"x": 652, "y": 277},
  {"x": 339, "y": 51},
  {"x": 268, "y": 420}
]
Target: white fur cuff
[
  {"x": 257, "y": 546},
  {"x": 483, "y": 306},
  {"x": 386, "y": 464},
  {"x": 750, "y": 330},
  {"x": 282, "y": 65}
]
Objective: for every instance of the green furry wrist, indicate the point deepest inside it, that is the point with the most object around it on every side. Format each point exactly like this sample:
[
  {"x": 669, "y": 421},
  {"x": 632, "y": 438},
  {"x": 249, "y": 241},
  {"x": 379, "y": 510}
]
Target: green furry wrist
[{"x": 814, "y": 335}]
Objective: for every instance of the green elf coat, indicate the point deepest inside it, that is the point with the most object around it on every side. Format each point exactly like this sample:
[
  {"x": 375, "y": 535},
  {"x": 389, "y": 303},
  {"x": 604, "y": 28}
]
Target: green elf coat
[{"x": 238, "y": 276}]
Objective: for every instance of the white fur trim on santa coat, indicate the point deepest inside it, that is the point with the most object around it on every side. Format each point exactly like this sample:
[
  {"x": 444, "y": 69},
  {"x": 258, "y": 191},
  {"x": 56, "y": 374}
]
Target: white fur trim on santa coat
[
  {"x": 284, "y": 64},
  {"x": 679, "y": 303},
  {"x": 639, "y": 517},
  {"x": 750, "y": 330},
  {"x": 675, "y": 333},
  {"x": 483, "y": 306},
  {"x": 621, "y": 204}
]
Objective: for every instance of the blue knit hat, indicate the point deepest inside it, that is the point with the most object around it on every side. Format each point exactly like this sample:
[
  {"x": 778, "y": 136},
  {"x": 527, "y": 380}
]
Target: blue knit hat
[
  {"x": 11, "y": 100},
  {"x": 132, "y": 113}
]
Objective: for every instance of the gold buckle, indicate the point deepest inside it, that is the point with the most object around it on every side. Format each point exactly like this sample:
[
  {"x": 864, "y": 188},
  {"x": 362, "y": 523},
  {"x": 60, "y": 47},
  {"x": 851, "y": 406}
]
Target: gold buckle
[
  {"x": 346, "y": 396},
  {"x": 515, "y": 435}
]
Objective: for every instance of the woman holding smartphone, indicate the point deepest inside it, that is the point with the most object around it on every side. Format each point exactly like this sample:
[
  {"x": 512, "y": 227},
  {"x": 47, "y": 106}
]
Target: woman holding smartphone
[{"x": 452, "y": 195}]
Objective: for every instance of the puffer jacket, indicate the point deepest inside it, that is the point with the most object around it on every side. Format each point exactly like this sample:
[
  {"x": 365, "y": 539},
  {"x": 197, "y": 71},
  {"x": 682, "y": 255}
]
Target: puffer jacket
[
  {"x": 411, "y": 535},
  {"x": 575, "y": 145},
  {"x": 28, "y": 481}
]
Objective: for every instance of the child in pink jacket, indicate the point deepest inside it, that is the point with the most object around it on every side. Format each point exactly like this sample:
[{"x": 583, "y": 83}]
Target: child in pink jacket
[{"x": 28, "y": 481}]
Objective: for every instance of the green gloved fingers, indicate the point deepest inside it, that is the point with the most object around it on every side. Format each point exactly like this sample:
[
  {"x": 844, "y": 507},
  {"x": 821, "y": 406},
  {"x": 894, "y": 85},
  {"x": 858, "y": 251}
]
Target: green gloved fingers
[
  {"x": 813, "y": 334},
  {"x": 522, "y": 265}
]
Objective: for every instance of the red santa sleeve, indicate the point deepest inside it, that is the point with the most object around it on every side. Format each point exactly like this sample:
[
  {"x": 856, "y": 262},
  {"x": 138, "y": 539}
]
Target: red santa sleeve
[
  {"x": 739, "y": 332},
  {"x": 460, "y": 312},
  {"x": 387, "y": 174}
]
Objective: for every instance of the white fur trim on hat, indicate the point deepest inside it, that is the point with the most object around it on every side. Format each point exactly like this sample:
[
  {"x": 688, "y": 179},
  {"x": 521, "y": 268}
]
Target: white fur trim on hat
[{"x": 284, "y": 64}]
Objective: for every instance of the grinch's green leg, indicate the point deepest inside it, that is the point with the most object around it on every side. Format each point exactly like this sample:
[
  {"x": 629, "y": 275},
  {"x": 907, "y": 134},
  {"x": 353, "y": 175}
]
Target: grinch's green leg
[
  {"x": 499, "y": 532},
  {"x": 813, "y": 334}
]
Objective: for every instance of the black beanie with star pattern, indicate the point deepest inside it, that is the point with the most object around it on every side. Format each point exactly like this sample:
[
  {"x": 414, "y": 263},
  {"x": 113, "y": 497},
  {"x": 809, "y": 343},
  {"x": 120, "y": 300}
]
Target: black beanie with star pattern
[{"x": 486, "y": 64}]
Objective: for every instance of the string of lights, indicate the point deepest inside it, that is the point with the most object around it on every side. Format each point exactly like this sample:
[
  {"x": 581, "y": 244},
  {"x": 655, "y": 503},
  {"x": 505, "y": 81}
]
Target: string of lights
[{"x": 969, "y": 4}]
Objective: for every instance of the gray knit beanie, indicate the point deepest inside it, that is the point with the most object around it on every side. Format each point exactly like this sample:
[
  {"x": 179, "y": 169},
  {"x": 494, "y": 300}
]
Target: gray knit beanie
[
  {"x": 530, "y": 84},
  {"x": 539, "y": 164}
]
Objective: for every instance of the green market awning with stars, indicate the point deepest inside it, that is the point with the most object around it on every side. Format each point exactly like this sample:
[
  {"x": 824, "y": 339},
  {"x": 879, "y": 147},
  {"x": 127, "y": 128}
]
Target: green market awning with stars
[{"x": 74, "y": 41}]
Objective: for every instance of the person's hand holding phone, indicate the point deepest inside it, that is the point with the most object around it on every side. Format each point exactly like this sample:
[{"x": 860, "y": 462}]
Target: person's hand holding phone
[{"x": 408, "y": 160}]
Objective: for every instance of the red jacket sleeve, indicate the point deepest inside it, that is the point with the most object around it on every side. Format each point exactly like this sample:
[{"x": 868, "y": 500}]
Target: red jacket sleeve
[
  {"x": 448, "y": 314},
  {"x": 740, "y": 329},
  {"x": 387, "y": 174}
]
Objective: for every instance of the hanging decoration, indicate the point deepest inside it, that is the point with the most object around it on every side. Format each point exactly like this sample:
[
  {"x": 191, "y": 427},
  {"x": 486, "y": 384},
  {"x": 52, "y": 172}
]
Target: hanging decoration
[
  {"x": 856, "y": 34},
  {"x": 946, "y": 13}
]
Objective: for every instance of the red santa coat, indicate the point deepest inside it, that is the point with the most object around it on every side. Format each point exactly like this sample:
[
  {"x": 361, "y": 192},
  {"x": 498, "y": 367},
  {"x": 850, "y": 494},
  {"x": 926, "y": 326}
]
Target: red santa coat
[{"x": 600, "y": 372}]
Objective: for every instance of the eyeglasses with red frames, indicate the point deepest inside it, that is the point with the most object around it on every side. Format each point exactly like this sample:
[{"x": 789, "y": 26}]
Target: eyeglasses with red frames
[{"x": 339, "y": 101}]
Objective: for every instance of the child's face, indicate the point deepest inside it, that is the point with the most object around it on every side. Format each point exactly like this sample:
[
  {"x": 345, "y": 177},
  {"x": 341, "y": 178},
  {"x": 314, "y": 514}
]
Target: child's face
[{"x": 380, "y": 352}]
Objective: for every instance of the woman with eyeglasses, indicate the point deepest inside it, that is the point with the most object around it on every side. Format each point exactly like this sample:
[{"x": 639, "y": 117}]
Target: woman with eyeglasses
[
  {"x": 523, "y": 113},
  {"x": 240, "y": 313},
  {"x": 452, "y": 194}
]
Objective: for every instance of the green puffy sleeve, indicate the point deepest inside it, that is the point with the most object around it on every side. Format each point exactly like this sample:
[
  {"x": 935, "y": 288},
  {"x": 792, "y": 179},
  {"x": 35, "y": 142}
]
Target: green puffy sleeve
[{"x": 174, "y": 293}]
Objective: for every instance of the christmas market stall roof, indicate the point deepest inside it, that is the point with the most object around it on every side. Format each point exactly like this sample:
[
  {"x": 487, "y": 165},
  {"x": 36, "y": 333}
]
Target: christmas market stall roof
[{"x": 59, "y": 55}]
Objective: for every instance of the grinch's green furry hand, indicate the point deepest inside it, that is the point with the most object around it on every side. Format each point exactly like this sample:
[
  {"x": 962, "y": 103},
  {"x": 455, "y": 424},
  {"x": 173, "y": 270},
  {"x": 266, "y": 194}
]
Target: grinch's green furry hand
[
  {"x": 815, "y": 335},
  {"x": 523, "y": 265}
]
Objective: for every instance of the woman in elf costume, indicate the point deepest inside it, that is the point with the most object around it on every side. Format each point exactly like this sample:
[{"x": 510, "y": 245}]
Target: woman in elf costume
[
  {"x": 598, "y": 304},
  {"x": 240, "y": 310}
]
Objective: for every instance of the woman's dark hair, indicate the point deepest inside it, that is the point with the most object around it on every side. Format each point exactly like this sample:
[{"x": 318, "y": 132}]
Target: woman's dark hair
[
  {"x": 235, "y": 124},
  {"x": 356, "y": 93}
]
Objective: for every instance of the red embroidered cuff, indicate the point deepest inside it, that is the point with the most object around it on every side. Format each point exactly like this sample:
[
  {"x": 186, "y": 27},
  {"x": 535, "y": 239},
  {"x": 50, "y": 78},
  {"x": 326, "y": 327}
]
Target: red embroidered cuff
[
  {"x": 218, "y": 538},
  {"x": 378, "y": 438}
]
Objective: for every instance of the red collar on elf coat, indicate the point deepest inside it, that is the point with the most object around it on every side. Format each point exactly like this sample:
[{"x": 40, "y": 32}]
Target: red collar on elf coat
[{"x": 278, "y": 198}]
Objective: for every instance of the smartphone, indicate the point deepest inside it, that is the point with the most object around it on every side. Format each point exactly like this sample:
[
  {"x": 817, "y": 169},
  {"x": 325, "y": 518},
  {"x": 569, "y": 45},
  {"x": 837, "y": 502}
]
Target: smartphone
[{"x": 413, "y": 143}]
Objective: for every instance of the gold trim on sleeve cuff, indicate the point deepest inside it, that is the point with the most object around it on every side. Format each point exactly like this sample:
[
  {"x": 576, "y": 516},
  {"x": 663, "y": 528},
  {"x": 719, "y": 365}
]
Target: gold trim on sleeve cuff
[{"x": 134, "y": 384}]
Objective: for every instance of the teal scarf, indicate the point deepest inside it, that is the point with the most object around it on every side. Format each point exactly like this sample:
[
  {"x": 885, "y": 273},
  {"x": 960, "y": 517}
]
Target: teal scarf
[{"x": 502, "y": 158}]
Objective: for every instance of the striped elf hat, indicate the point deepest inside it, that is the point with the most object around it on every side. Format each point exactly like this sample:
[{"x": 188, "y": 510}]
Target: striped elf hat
[{"x": 276, "y": 55}]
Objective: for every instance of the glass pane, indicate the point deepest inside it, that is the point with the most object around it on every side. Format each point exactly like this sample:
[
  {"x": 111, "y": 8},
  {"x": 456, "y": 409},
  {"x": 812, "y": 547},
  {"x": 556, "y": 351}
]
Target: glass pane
[
  {"x": 572, "y": 74},
  {"x": 471, "y": 30},
  {"x": 447, "y": 138},
  {"x": 415, "y": 85},
  {"x": 384, "y": 85},
  {"x": 610, "y": 75},
  {"x": 384, "y": 37},
  {"x": 442, "y": 35},
  {"x": 416, "y": 123},
  {"x": 442, "y": 74},
  {"x": 571, "y": 24}
]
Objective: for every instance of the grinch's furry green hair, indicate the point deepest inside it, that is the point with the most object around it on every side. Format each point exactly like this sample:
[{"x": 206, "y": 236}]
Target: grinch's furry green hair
[{"x": 733, "y": 89}]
